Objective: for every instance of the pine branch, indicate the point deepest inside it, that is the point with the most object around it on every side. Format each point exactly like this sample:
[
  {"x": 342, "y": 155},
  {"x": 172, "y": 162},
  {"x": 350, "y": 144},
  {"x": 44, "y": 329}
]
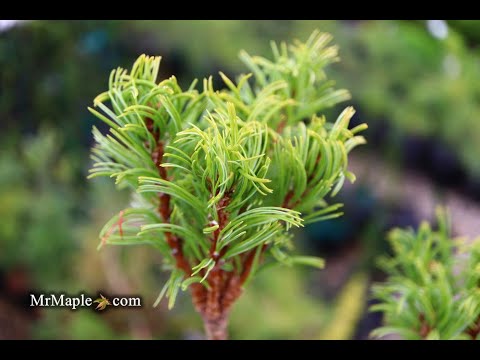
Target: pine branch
[
  {"x": 220, "y": 177},
  {"x": 425, "y": 297}
]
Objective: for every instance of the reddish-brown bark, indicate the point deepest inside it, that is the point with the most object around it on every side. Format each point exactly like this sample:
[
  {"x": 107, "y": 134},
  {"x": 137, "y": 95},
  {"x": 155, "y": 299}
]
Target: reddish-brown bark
[
  {"x": 164, "y": 208},
  {"x": 474, "y": 330},
  {"x": 424, "y": 327}
]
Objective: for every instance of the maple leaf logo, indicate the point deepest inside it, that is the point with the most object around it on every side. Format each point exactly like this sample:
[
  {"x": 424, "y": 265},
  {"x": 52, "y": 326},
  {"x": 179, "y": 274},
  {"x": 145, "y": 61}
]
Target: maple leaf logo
[{"x": 102, "y": 303}]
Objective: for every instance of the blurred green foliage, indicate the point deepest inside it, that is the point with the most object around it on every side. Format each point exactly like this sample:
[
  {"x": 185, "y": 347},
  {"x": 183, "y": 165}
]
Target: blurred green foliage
[
  {"x": 37, "y": 199},
  {"x": 280, "y": 303},
  {"x": 347, "y": 309},
  {"x": 433, "y": 286},
  {"x": 397, "y": 71}
]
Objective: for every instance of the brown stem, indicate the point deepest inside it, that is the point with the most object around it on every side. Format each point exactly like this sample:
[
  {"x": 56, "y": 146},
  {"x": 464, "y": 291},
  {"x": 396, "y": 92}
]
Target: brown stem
[
  {"x": 216, "y": 328},
  {"x": 164, "y": 208},
  {"x": 474, "y": 330},
  {"x": 214, "y": 312},
  {"x": 247, "y": 266},
  {"x": 248, "y": 263},
  {"x": 288, "y": 198},
  {"x": 424, "y": 327},
  {"x": 281, "y": 125},
  {"x": 231, "y": 292},
  {"x": 225, "y": 289},
  {"x": 222, "y": 222}
]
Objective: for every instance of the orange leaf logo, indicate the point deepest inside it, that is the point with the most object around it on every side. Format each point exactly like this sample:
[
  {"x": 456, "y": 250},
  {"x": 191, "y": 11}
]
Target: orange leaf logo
[{"x": 103, "y": 302}]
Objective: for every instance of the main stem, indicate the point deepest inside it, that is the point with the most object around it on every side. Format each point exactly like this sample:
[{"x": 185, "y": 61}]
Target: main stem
[
  {"x": 225, "y": 287},
  {"x": 216, "y": 329},
  {"x": 214, "y": 303}
]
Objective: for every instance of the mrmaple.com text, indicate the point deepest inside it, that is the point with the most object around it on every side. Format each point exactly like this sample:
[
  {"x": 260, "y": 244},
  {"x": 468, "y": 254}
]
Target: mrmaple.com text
[{"x": 82, "y": 300}]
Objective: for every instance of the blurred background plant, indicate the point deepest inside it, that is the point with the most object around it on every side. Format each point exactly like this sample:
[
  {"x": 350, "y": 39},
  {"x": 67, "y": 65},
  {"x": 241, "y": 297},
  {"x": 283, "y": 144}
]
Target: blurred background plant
[
  {"x": 414, "y": 82},
  {"x": 433, "y": 286}
]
